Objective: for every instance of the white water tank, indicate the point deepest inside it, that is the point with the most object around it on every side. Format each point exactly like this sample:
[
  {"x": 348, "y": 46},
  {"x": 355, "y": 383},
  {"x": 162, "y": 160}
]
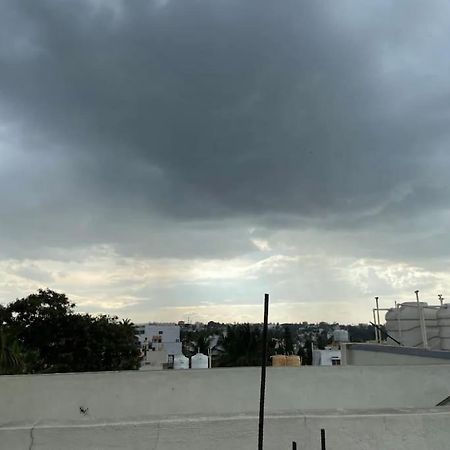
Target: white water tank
[
  {"x": 392, "y": 326},
  {"x": 443, "y": 317},
  {"x": 340, "y": 336},
  {"x": 431, "y": 322},
  {"x": 180, "y": 362},
  {"x": 199, "y": 361},
  {"x": 403, "y": 324}
]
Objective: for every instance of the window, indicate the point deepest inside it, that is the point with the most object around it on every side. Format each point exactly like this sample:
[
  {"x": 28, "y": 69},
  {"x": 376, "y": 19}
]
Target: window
[
  {"x": 160, "y": 332},
  {"x": 335, "y": 362}
]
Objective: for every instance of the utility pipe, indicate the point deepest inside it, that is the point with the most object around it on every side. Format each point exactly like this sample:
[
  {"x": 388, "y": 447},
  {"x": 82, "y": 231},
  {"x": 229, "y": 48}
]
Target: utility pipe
[
  {"x": 378, "y": 312},
  {"x": 398, "y": 322},
  {"x": 376, "y": 329},
  {"x": 423, "y": 328}
]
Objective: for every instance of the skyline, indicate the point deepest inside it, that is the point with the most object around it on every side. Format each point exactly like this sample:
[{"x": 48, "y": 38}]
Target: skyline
[{"x": 163, "y": 159}]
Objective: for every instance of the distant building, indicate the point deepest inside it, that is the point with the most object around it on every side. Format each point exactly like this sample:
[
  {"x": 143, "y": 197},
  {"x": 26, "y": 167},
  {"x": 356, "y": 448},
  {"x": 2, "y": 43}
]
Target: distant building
[
  {"x": 326, "y": 357},
  {"x": 159, "y": 343}
]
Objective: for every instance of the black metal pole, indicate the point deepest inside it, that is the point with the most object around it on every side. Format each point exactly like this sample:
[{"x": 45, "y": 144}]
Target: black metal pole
[
  {"x": 294, "y": 445},
  {"x": 385, "y": 332},
  {"x": 263, "y": 374},
  {"x": 322, "y": 439}
]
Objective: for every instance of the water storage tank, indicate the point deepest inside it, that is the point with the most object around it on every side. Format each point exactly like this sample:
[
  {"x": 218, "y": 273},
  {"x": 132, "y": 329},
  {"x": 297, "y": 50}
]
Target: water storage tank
[
  {"x": 431, "y": 322},
  {"x": 180, "y": 362},
  {"x": 393, "y": 326},
  {"x": 293, "y": 361},
  {"x": 403, "y": 324},
  {"x": 278, "y": 360},
  {"x": 443, "y": 317},
  {"x": 340, "y": 336},
  {"x": 199, "y": 361}
]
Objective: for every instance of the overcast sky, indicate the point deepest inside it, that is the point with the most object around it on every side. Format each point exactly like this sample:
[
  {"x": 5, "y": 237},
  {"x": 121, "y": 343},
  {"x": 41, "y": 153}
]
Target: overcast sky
[{"x": 166, "y": 159}]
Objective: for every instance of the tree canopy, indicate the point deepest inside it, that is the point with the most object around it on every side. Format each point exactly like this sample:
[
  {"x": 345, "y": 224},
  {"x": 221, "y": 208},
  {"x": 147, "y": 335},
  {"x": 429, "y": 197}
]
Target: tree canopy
[
  {"x": 41, "y": 333},
  {"x": 243, "y": 344}
]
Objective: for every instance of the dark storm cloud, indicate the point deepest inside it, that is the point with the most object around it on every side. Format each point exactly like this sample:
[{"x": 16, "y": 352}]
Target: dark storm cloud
[{"x": 233, "y": 110}]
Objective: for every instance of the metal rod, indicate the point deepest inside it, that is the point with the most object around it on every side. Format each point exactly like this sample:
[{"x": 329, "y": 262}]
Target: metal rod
[
  {"x": 376, "y": 329},
  {"x": 380, "y": 330},
  {"x": 263, "y": 374},
  {"x": 378, "y": 316},
  {"x": 423, "y": 328},
  {"x": 294, "y": 445},
  {"x": 322, "y": 439}
]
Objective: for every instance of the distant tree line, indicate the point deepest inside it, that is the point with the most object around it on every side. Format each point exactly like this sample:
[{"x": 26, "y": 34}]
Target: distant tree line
[
  {"x": 241, "y": 344},
  {"x": 41, "y": 333}
]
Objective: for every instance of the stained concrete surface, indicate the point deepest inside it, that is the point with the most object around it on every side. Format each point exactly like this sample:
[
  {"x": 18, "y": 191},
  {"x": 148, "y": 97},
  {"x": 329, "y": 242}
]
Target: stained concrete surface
[{"x": 385, "y": 408}]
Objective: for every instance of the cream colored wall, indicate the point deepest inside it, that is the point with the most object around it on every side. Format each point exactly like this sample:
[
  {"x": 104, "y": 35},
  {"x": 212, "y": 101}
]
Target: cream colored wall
[
  {"x": 352, "y": 355},
  {"x": 217, "y": 408}
]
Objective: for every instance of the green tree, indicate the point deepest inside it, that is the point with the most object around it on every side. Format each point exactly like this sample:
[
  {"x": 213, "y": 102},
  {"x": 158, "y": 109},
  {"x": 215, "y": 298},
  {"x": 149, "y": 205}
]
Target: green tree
[
  {"x": 305, "y": 352},
  {"x": 11, "y": 356},
  {"x": 55, "y": 339},
  {"x": 287, "y": 341},
  {"x": 322, "y": 340},
  {"x": 242, "y": 344}
]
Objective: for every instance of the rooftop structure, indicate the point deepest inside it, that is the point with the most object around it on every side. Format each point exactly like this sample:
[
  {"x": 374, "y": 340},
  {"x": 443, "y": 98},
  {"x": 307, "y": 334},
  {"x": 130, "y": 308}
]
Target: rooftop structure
[
  {"x": 160, "y": 343},
  {"x": 371, "y": 354},
  {"x": 359, "y": 407}
]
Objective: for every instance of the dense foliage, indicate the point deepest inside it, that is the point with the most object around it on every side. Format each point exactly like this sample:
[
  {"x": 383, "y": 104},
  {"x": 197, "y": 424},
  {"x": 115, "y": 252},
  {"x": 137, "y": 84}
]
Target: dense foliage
[
  {"x": 241, "y": 344},
  {"x": 41, "y": 334}
]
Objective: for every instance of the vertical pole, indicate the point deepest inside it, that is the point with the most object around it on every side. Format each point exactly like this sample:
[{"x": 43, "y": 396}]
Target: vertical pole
[
  {"x": 376, "y": 329},
  {"x": 422, "y": 322},
  {"x": 322, "y": 439},
  {"x": 294, "y": 445},
  {"x": 378, "y": 320},
  {"x": 263, "y": 374}
]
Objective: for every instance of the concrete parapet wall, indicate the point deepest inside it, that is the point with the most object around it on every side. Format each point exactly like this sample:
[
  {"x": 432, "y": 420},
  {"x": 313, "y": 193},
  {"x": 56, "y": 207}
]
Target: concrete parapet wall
[
  {"x": 356, "y": 354},
  {"x": 216, "y": 408},
  {"x": 118, "y": 396}
]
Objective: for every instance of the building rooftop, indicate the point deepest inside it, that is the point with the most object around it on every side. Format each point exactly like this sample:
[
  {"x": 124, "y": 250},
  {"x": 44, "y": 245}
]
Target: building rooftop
[{"x": 202, "y": 409}]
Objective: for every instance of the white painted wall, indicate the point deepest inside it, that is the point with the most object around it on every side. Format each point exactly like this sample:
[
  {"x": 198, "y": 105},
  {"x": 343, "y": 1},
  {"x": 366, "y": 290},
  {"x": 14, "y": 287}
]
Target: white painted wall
[
  {"x": 159, "y": 344},
  {"x": 325, "y": 357},
  {"x": 379, "y": 355},
  {"x": 169, "y": 334},
  {"x": 217, "y": 408}
]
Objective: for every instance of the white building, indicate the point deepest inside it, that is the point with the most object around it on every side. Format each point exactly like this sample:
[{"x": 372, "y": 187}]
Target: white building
[
  {"x": 326, "y": 357},
  {"x": 159, "y": 343}
]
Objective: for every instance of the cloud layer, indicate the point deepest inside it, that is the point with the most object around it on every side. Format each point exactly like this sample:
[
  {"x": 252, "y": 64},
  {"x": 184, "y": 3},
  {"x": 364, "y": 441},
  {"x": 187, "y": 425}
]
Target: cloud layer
[{"x": 299, "y": 149}]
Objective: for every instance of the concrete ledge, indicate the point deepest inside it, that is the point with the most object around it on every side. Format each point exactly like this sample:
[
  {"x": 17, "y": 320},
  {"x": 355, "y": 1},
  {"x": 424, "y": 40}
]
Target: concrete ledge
[
  {"x": 389, "y": 429},
  {"x": 400, "y": 350},
  {"x": 127, "y": 396}
]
